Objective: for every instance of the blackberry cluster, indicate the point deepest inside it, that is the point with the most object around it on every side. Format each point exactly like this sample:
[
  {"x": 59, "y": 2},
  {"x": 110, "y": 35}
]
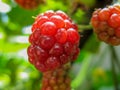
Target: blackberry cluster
[
  {"x": 106, "y": 24},
  {"x": 54, "y": 41},
  {"x": 29, "y": 4}
]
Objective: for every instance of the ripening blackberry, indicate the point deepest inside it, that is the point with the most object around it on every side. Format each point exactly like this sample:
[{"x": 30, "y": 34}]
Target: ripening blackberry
[
  {"x": 54, "y": 41},
  {"x": 29, "y": 4},
  {"x": 106, "y": 24}
]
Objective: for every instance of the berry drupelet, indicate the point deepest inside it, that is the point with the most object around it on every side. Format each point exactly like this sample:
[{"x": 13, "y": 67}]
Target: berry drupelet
[
  {"x": 106, "y": 24},
  {"x": 54, "y": 41}
]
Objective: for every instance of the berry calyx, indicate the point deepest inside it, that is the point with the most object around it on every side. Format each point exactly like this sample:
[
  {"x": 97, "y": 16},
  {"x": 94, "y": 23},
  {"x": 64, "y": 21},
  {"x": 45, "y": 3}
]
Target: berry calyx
[
  {"x": 106, "y": 24},
  {"x": 54, "y": 41}
]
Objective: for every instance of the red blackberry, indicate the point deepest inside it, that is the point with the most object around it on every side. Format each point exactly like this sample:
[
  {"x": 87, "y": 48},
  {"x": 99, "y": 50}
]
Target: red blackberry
[
  {"x": 29, "y": 4},
  {"x": 54, "y": 41},
  {"x": 106, "y": 24}
]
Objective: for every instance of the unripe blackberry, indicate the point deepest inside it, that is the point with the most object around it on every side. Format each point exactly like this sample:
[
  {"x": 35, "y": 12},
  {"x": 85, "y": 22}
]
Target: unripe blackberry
[
  {"x": 29, "y": 4},
  {"x": 106, "y": 24},
  {"x": 54, "y": 41},
  {"x": 57, "y": 80}
]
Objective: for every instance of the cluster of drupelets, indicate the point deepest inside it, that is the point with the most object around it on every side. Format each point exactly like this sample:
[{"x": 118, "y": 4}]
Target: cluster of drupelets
[
  {"x": 54, "y": 41},
  {"x": 106, "y": 24}
]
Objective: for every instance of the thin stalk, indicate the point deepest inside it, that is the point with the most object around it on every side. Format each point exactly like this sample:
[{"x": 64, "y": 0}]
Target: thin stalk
[
  {"x": 115, "y": 57},
  {"x": 116, "y": 83},
  {"x": 85, "y": 27},
  {"x": 114, "y": 76}
]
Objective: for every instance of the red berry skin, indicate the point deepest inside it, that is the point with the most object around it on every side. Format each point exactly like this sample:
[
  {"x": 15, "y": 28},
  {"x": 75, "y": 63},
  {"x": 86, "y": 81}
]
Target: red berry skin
[
  {"x": 68, "y": 24},
  {"x": 34, "y": 27},
  {"x": 49, "y": 13},
  {"x": 115, "y": 9},
  {"x": 31, "y": 39},
  {"x": 117, "y": 32},
  {"x": 48, "y": 28},
  {"x": 31, "y": 55},
  {"x": 42, "y": 20},
  {"x": 41, "y": 55},
  {"x": 106, "y": 24},
  {"x": 36, "y": 34},
  {"x": 104, "y": 14},
  {"x": 34, "y": 37},
  {"x": 53, "y": 62},
  {"x": 41, "y": 66},
  {"x": 54, "y": 41},
  {"x": 64, "y": 59},
  {"x": 62, "y": 14},
  {"x": 69, "y": 48},
  {"x": 114, "y": 20},
  {"x": 72, "y": 35},
  {"x": 61, "y": 35},
  {"x": 46, "y": 42},
  {"x": 95, "y": 21},
  {"x": 57, "y": 20},
  {"x": 56, "y": 50}
]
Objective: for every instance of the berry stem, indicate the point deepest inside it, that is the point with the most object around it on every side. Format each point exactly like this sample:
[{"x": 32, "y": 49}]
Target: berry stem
[
  {"x": 113, "y": 57},
  {"x": 85, "y": 27},
  {"x": 57, "y": 79}
]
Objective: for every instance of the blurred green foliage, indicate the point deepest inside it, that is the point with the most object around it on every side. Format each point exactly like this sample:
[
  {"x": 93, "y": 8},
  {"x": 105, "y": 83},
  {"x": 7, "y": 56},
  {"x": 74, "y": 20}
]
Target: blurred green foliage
[{"x": 88, "y": 72}]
